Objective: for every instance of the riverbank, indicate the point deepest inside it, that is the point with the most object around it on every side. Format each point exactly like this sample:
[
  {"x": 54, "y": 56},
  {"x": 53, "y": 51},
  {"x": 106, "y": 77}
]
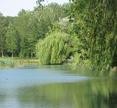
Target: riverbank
[
  {"x": 80, "y": 69},
  {"x": 16, "y": 62}
]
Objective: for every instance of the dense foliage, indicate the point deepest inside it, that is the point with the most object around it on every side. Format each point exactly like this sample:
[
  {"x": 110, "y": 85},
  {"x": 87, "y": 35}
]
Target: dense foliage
[
  {"x": 56, "y": 48},
  {"x": 81, "y": 32},
  {"x": 96, "y": 24},
  {"x": 19, "y": 35}
]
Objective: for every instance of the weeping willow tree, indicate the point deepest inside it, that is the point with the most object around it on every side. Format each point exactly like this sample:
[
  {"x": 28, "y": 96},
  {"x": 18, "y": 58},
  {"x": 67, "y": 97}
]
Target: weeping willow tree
[
  {"x": 56, "y": 48},
  {"x": 99, "y": 30}
]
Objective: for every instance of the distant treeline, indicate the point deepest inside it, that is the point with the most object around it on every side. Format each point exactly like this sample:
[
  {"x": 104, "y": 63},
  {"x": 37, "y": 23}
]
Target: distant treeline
[{"x": 19, "y": 35}]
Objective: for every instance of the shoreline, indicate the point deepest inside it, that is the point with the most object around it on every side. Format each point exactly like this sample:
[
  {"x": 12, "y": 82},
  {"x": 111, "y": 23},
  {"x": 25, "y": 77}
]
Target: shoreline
[{"x": 17, "y": 62}]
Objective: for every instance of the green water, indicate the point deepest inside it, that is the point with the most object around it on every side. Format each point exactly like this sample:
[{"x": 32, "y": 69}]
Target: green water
[{"x": 53, "y": 87}]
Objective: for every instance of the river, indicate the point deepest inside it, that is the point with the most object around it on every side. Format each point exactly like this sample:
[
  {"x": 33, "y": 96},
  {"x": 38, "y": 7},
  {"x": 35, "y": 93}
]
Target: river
[{"x": 54, "y": 87}]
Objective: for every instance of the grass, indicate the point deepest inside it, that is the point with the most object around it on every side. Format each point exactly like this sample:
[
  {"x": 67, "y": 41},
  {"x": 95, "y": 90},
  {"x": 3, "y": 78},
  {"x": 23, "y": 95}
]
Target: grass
[{"x": 16, "y": 62}]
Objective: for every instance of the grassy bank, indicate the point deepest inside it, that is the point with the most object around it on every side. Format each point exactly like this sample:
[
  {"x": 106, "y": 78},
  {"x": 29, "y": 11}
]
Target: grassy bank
[{"x": 16, "y": 62}]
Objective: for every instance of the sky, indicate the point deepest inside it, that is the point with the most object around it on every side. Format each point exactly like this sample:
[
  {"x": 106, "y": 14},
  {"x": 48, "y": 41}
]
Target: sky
[{"x": 12, "y": 7}]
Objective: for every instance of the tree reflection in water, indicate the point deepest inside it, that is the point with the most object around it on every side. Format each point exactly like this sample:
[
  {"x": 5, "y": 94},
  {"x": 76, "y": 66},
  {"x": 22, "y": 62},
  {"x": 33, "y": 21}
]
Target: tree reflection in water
[{"x": 88, "y": 94}]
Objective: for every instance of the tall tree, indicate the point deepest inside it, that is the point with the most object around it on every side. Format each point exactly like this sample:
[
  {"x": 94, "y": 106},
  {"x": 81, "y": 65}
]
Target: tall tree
[
  {"x": 11, "y": 39},
  {"x": 100, "y": 20},
  {"x": 24, "y": 27},
  {"x": 3, "y": 29}
]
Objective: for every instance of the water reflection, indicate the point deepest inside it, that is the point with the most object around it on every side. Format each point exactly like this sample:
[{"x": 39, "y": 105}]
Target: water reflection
[
  {"x": 2, "y": 95},
  {"x": 87, "y": 94},
  {"x": 45, "y": 88}
]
